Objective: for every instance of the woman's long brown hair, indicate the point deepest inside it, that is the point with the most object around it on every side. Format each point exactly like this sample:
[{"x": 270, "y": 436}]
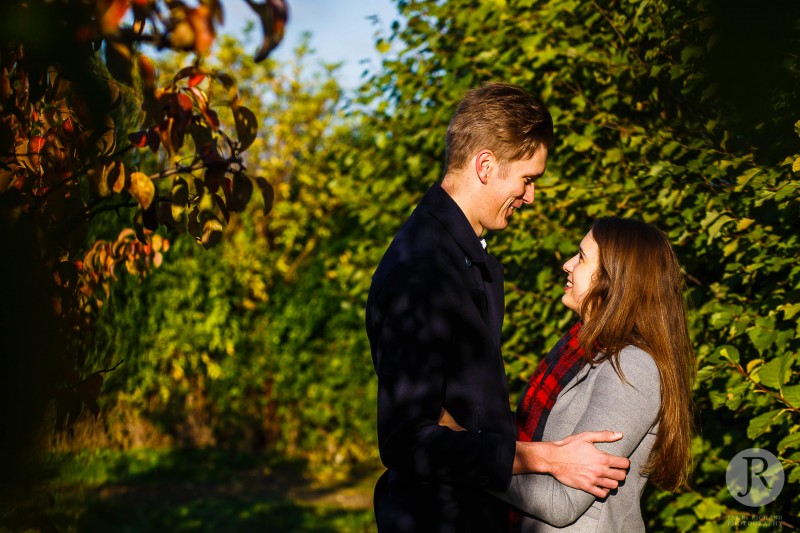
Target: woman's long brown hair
[{"x": 637, "y": 298}]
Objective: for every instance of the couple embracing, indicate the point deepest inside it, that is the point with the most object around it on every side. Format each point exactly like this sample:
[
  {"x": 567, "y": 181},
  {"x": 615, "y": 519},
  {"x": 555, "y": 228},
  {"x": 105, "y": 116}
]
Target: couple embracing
[{"x": 609, "y": 407}]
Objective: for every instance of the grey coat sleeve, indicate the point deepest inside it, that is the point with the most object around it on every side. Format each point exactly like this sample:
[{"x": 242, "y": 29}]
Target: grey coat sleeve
[{"x": 630, "y": 407}]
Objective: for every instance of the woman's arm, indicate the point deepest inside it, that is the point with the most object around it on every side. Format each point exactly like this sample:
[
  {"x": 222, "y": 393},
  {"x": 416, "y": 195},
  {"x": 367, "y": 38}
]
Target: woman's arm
[{"x": 630, "y": 408}]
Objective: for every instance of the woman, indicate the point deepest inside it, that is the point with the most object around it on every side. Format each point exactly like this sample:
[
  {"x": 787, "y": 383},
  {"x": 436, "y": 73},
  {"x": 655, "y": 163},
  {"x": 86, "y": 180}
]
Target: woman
[{"x": 628, "y": 366}]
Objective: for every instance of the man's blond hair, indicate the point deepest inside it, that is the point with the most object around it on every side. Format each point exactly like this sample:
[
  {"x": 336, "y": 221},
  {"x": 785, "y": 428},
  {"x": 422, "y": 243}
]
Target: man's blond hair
[{"x": 500, "y": 117}]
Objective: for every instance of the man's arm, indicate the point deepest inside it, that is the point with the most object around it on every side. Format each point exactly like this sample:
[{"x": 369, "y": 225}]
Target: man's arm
[{"x": 574, "y": 461}]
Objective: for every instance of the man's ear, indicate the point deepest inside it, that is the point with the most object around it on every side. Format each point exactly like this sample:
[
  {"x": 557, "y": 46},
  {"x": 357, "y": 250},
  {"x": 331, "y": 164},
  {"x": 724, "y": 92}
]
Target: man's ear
[{"x": 484, "y": 165}]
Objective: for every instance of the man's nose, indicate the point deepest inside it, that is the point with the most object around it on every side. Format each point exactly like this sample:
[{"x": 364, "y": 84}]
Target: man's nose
[{"x": 530, "y": 193}]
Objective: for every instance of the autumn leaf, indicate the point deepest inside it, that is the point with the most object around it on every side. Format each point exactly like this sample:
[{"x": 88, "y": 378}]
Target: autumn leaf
[
  {"x": 212, "y": 233},
  {"x": 196, "y": 79},
  {"x": 273, "y": 15},
  {"x": 142, "y": 188},
  {"x": 138, "y": 138},
  {"x": 246, "y": 126},
  {"x": 203, "y": 26},
  {"x": 116, "y": 178},
  {"x": 220, "y": 203},
  {"x": 180, "y": 197},
  {"x": 112, "y": 15},
  {"x": 120, "y": 62},
  {"x": 193, "y": 225},
  {"x": 241, "y": 192},
  {"x": 267, "y": 192}
]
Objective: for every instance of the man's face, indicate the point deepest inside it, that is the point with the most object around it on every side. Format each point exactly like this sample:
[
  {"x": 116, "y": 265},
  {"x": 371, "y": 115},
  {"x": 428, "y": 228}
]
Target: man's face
[{"x": 510, "y": 187}]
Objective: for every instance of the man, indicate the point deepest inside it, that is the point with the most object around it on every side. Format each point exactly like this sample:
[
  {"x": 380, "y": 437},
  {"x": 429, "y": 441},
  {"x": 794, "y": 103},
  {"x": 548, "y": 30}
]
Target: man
[{"x": 434, "y": 315}]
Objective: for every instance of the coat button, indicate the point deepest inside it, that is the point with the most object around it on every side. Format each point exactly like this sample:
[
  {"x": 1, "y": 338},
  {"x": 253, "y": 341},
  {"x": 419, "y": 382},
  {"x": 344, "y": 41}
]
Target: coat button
[{"x": 467, "y": 260}]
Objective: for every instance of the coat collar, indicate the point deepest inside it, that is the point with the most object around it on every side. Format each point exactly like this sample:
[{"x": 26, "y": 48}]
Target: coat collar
[{"x": 438, "y": 204}]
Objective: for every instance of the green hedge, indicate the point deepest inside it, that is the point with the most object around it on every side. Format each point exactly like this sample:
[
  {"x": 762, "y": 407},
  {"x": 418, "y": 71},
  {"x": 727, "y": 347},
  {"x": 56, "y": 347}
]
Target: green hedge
[{"x": 654, "y": 120}]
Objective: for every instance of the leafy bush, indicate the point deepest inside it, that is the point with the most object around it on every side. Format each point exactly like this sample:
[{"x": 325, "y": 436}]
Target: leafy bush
[{"x": 651, "y": 122}]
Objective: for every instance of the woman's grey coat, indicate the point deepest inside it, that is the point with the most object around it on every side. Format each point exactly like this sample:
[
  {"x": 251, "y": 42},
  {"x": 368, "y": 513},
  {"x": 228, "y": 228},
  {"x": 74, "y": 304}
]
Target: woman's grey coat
[{"x": 596, "y": 399}]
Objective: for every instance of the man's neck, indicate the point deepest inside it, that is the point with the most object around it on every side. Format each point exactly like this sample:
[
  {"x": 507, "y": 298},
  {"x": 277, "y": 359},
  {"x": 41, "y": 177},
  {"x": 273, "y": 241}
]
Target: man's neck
[{"x": 458, "y": 190}]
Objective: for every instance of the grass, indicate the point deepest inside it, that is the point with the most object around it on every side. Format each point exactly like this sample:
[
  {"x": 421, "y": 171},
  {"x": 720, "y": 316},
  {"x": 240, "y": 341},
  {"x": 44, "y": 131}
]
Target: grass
[{"x": 193, "y": 491}]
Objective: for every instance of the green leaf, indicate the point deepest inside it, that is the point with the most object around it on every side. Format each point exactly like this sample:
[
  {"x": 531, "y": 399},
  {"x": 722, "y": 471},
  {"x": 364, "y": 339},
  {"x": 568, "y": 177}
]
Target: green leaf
[
  {"x": 730, "y": 353},
  {"x": 790, "y": 310},
  {"x": 770, "y": 374},
  {"x": 745, "y": 178},
  {"x": 716, "y": 227},
  {"x": 735, "y": 395},
  {"x": 761, "y": 338},
  {"x": 762, "y": 423},
  {"x": 685, "y": 522},
  {"x": 792, "y": 395},
  {"x": 789, "y": 441},
  {"x": 794, "y": 475},
  {"x": 709, "y": 509}
]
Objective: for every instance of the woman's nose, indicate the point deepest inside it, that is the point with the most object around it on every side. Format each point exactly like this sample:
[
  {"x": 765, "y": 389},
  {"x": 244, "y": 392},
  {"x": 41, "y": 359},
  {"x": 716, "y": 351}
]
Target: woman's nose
[{"x": 567, "y": 267}]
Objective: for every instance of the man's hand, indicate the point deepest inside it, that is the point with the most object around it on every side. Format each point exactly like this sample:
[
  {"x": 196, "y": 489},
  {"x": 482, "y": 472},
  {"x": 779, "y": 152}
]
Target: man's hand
[
  {"x": 447, "y": 420},
  {"x": 575, "y": 462}
]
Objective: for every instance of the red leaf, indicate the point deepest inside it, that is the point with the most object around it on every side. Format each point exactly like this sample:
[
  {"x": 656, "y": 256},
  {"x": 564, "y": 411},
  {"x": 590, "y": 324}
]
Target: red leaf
[
  {"x": 112, "y": 16},
  {"x": 147, "y": 71},
  {"x": 200, "y": 20},
  {"x": 36, "y": 144},
  {"x": 139, "y": 138},
  {"x": 211, "y": 118},
  {"x": 196, "y": 79}
]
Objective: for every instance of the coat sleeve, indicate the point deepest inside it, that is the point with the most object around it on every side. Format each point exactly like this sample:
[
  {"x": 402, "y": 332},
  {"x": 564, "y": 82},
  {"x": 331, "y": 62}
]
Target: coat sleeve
[
  {"x": 631, "y": 408},
  {"x": 414, "y": 319}
]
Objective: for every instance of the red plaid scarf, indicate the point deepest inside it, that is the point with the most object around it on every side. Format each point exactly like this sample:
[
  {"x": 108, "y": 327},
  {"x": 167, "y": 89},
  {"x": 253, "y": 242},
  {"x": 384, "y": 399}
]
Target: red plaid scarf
[{"x": 553, "y": 373}]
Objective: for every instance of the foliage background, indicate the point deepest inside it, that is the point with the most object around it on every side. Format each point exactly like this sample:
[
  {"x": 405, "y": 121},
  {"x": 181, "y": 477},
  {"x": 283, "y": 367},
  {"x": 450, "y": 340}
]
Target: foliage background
[{"x": 682, "y": 113}]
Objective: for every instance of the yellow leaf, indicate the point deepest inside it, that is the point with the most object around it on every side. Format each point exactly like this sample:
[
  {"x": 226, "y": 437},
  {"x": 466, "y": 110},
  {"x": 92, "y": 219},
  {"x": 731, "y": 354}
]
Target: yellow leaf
[
  {"x": 796, "y": 165},
  {"x": 212, "y": 233},
  {"x": 142, "y": 188},
  {"x": 744, "y": 223},
  {"x": 383, "y": 46}
]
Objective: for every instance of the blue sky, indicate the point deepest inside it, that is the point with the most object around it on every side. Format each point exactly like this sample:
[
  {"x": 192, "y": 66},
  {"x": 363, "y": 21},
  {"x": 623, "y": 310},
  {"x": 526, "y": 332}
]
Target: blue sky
[{"x": 340, "y": 31}]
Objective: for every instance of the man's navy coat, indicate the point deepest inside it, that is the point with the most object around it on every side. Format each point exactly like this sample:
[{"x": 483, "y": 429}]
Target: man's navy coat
[{"x": 434, "y": 315}]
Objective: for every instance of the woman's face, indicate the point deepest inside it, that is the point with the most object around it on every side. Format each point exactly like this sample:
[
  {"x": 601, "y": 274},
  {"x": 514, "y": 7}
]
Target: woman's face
[{"x": 580, "y": 271}]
